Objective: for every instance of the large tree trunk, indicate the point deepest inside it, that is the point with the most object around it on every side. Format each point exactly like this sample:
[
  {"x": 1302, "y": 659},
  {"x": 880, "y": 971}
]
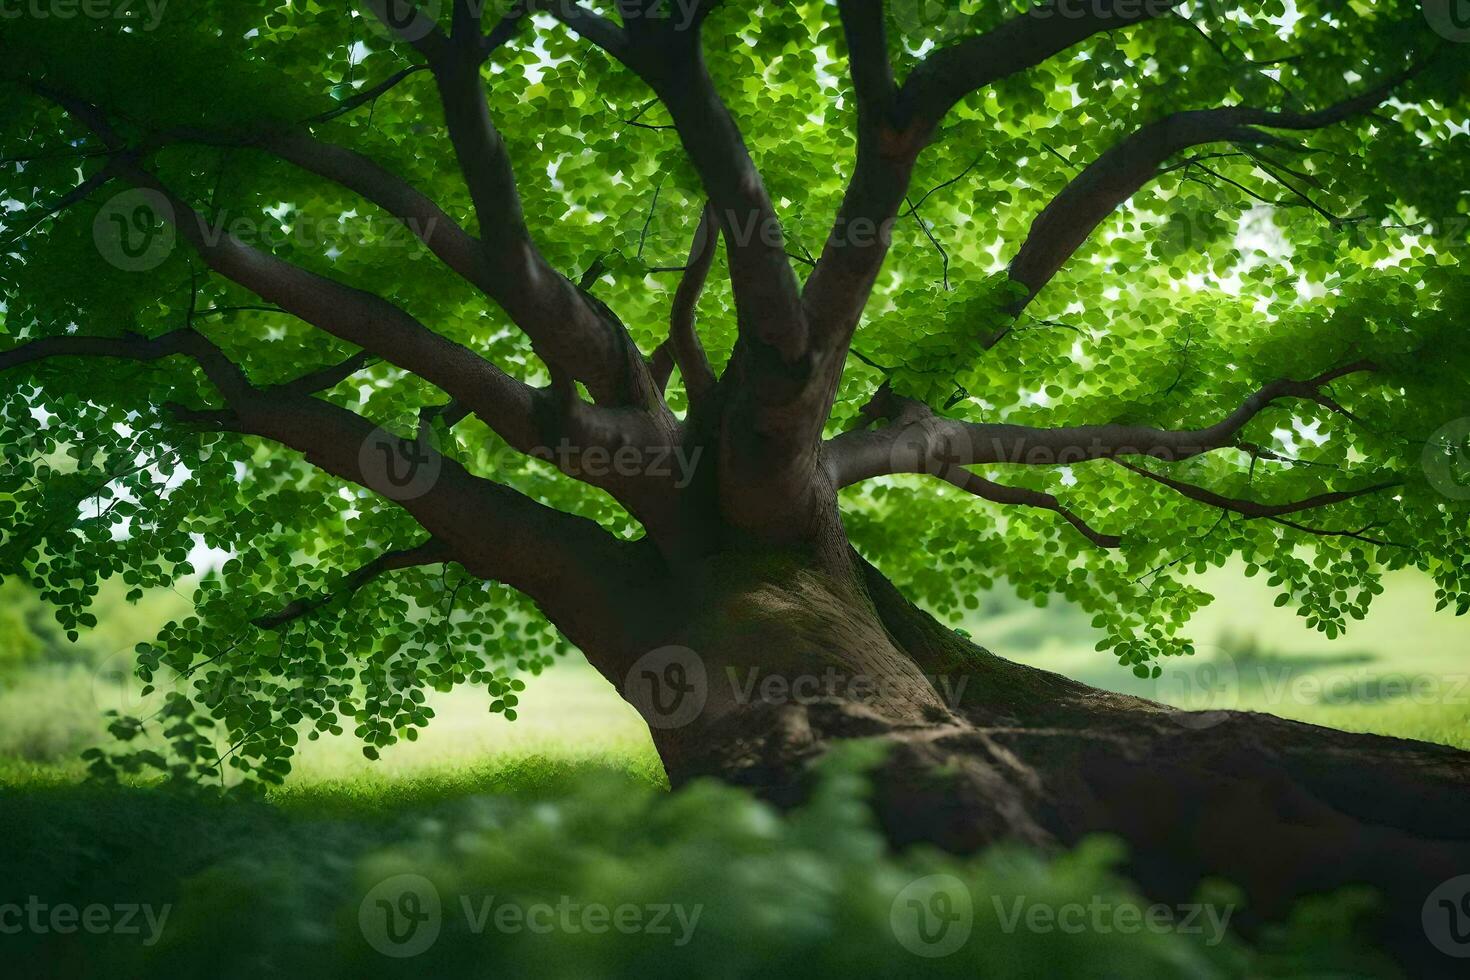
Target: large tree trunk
[{"x": 780, "y": 660}]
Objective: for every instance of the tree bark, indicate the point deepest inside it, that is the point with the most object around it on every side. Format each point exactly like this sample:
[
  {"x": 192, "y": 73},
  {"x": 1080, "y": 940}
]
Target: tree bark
[{"x": 781, "y": 660}]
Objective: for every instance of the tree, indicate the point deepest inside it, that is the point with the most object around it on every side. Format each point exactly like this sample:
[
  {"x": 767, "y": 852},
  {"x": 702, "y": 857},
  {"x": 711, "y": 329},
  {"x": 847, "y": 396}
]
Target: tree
[{"x": 389, "y": 303}]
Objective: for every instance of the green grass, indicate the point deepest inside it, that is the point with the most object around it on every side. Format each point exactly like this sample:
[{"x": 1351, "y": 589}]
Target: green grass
[
  {"x": 522, "y": 776},
  {"x": 570, "y": 800},
  {"x": 290, "y": 887},
  {"x": 1403, "y": 671}
]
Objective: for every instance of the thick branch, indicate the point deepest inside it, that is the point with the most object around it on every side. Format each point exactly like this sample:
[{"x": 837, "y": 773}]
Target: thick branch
[
  {"x": 71, "y": 345},
  {"x": 364, "y": 319},
  {"x": 688, "y": 352},
  {"x": 872, "y": 73},
  {"x": 922, "y": 442},
  {"x": 952, "y": 72},
  {"x": 1072, "y": 216},
  {"x": 666, "y": 54},
  {"x": 428, "y": 222},
  {"x": 351, "y": 314},
  {"x": 558, "y": 559},
  {"x": 894, "y": 128},
  {"x": 565, "y": 328}
]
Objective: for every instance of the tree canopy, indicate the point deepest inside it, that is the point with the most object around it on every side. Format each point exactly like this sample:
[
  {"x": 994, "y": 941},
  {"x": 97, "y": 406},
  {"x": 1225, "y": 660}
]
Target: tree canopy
[{"x": 1168, "y": 285}]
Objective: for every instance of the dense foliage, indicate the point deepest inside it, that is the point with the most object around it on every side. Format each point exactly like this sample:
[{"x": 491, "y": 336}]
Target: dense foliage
[{"x": 1238, "y": 265}]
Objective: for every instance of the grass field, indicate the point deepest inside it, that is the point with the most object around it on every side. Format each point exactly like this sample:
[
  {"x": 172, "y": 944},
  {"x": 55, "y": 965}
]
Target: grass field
[
  {"x": 567, "y": 806},
  {"x": 707, "y": 881}
]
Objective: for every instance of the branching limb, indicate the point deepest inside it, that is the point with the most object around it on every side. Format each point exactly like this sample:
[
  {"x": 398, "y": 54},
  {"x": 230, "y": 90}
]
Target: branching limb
[
  {"x": 431, "y": 552},
  {"x": 365, "y": 319},
  {"x": 921, "y": 442},
  {"x": 1072, "y": 216},
  {"x": 893, "y": 127},
  {"x": 952, "y": 72},
  {"x": 353, "y": 315},
  {"x": 684, "y": 345},
  {"x": 450, "y": 243},
  {"x": 329, "y": 376},
  {"x": 528, "y": 419},
  {"x": 666, "y": 54},
  {"x": 1021, "y": 496},
  {"x": 1252, "y": 508},
  {"x": 495, "y": 532},
  {"x": 771, "y": 414},
  {"x": 565, "y": 327}
]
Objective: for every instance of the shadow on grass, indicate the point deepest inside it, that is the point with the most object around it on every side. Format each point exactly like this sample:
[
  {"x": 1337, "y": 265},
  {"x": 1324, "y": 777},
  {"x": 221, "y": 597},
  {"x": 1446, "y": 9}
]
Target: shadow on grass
[{"x": 569, "y": 868}]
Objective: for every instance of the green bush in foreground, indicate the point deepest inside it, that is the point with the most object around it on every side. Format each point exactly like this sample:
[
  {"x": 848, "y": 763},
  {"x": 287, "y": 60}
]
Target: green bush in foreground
[{"x": 702, "y": 882}]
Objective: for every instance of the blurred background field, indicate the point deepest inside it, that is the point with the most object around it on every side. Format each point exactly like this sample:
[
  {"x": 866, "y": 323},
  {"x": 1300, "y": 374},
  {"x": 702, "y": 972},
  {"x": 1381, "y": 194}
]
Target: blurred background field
[
  {"x": 568, "y": 802},
  {"x": 1403, "y": 671}
]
